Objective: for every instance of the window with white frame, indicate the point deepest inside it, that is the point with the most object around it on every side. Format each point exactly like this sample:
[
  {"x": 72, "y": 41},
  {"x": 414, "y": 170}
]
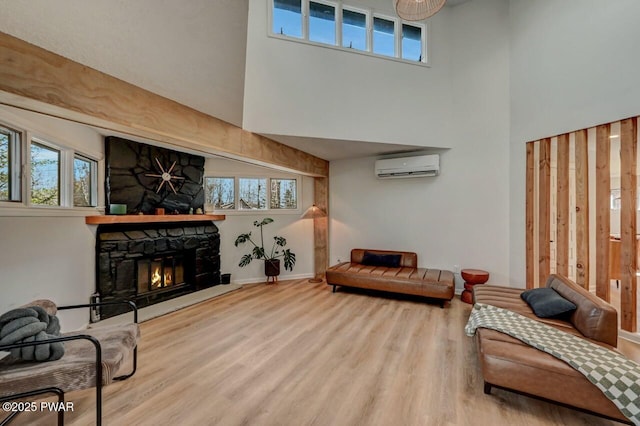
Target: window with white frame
[
  {"x": 85, "y": 181},
  {"x": 322, "y": 22},
  {"x": 287, "y": 18},
  {"x": 354, "y": 29},
  {"x": 251, "y": 193},
  {"x": 45, "y": 174},
  {"x": 341, "y": 26},
  {"x": 283, "y": 194},
  {"x": 35, "y": 171},
  {"x": 10, "y": 162},
  {"x": 220, "y": 192}
]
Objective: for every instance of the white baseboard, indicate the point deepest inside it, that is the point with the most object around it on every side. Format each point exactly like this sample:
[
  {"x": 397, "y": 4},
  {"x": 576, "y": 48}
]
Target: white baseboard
[{"x": 633, "y": 337}]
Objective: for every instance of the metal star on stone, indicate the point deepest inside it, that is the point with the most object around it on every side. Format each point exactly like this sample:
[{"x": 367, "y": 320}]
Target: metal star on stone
[{"x": 165, "y": 177}]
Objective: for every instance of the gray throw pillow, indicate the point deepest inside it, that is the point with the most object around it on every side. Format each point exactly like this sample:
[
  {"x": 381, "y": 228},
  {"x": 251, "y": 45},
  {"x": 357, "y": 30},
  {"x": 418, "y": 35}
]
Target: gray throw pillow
[{"x": 547, "y": 303}]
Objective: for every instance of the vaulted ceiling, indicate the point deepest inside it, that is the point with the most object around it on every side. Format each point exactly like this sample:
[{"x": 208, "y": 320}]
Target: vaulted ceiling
[{"x": 190, "y": 51}]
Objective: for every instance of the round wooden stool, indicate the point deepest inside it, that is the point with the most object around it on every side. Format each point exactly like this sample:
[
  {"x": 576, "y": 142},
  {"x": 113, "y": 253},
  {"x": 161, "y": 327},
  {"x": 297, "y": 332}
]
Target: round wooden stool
[{"x": 471, "y": 278}]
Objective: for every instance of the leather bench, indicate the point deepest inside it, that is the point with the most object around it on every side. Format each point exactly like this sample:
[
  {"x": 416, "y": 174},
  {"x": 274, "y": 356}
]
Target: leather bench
[
  {"x": 407, "y": 278},
  {"x": 510, "y": 364}
]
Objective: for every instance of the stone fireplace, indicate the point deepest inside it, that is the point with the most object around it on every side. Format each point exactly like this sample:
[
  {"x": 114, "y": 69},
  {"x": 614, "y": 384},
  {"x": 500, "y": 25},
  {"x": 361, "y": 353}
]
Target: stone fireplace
[
  {"x": 152, "y": 262},
  {"x": 146, "y": 256}
]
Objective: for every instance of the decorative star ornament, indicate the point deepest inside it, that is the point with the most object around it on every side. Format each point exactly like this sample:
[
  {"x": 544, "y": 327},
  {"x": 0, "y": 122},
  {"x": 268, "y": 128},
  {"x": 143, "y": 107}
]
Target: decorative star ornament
[{"x": 165, "y": 177}]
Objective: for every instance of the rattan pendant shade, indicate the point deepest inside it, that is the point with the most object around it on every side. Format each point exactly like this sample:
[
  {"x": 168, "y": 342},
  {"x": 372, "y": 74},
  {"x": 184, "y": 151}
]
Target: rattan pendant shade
[{"x": 417, "y": 10}]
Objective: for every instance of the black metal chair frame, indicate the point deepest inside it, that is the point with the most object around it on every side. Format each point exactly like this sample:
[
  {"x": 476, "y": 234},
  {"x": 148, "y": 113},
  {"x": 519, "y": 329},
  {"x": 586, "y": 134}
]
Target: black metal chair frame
[{"x": 98, "y": 364}]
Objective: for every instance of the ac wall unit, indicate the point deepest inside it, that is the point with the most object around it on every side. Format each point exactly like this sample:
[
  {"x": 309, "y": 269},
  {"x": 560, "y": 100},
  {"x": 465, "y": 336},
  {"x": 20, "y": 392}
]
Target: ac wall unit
[{"x": 408, "y": 167}]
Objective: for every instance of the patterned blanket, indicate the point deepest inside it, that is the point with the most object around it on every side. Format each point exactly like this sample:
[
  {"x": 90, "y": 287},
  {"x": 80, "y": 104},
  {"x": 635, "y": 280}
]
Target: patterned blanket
[{"x": 615, "y": 375}]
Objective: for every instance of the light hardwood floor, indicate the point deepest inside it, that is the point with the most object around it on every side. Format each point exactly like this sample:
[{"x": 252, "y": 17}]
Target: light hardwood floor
[{"x": 297, "y": 354}]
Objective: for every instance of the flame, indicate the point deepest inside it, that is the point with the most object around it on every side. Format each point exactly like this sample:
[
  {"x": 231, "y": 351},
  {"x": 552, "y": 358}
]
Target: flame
[
  {"x": 156, "y": 279},
  {"x": 168, "y": 280}
]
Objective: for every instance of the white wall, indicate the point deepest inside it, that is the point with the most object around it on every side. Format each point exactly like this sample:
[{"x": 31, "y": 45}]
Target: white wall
[
  {"x": 298, "y": 232},
  {"x": 460, "y": 217},
  {"x": 52, "y": 256},
  {"x": 297, "y": 89},
  {"x": 573, "y": 65}
]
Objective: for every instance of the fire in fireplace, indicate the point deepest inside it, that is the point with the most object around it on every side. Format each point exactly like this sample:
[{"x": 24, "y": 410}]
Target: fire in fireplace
[
  {"x": 160, "y": 273},
  {"x": 151, "y": 263}
]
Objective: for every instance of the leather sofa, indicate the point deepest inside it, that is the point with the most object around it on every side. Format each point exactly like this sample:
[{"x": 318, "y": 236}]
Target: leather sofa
[
  {"x": 510, "y": 364},
  {"x": 407, "y": 278}
]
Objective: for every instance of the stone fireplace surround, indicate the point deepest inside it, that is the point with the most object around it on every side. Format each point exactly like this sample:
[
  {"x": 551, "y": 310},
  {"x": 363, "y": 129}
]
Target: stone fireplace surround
[{"x": 119, "y": 247}]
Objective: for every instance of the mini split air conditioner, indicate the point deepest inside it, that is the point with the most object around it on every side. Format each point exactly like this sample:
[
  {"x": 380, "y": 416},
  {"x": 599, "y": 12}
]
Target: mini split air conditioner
[{"x": 408, "y": 167}]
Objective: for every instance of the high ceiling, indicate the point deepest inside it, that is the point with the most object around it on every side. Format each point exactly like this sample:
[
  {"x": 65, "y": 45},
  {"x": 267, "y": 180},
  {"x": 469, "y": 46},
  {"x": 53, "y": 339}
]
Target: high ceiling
[{"x": 190, "y": 51}]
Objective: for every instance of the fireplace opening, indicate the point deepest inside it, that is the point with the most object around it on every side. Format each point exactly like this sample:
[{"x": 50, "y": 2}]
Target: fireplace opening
[
  {"x": 160, "y": 273},
  {"x": 151, "y": 263}
]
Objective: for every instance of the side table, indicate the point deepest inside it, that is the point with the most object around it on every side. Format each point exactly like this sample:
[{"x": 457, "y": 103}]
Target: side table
[{"x": 472, "y": 277}]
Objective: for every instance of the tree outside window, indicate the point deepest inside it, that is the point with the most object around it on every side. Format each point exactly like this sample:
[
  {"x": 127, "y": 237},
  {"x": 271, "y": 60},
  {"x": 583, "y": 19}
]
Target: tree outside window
[
  {"x": 83, "y": 178},
  {"x": 283, "y": 194},
  {"x": 220, "y": 192},
  {"x": 45, "y": 175},
  {"x": 252, "y": 193}
]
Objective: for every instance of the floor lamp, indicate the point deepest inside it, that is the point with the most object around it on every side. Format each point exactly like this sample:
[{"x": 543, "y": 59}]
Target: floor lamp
[{"x": 314, "y": 212}]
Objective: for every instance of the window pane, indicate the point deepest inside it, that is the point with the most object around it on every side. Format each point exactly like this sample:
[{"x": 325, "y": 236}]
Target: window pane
[
  {"x": 5, "y": 166},
  {"x": 383, "y": 37},
  {"x": 283, "y": 194},
  {"x": 287, "y": 17},
  {"x": 45, "y": 175},
  {"x": 220, "y": 192},
  {"x": 84, "y": 190},
  {"x": 252, "y": 193},
  {"x": 354, "y": 30},
  {"x": 411, "y": 42},
  {"x": 322, "y": 23},
  {"x": 9, "y": 165}
]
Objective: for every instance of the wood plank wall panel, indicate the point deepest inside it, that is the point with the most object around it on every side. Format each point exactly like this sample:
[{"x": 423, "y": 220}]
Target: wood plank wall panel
[
  {"x": 582, "y": 208},
  {"x": 603, "y": 212},
  {"x": 562, "y": 209},
  {"x": 544, "y": 208},
  {"x": 56, "y": 85},
  {"x": 628, "y": 187},
  {"x": 530, "y": 202},
  {"x": 321, "y": 227}
]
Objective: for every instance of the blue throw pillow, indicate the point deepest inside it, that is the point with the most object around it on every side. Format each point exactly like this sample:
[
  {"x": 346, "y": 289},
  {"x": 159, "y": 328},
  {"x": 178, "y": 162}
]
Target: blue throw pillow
[
  {"x": 388, "y": 260},
  {"x": 547, "y": 303}
]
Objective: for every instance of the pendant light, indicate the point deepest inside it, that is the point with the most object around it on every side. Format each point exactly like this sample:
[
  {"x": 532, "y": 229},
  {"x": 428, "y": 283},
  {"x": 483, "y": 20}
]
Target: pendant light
[{"x": 417, "y": 10}]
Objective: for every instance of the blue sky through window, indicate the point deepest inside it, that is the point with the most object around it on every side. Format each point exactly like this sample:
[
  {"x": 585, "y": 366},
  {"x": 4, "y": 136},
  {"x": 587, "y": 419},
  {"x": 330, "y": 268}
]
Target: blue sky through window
[
  {"x": 287, "y": 17},
  {"x": 354, "y": 30},
  {"x": 322, "y": 23},
  {"x": 411, "y": 42},
  {"x": 383, "y": 37}
]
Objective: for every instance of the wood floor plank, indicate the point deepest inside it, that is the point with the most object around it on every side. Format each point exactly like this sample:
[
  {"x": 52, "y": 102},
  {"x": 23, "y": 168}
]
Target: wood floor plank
[{"x": 297, "y": 354}]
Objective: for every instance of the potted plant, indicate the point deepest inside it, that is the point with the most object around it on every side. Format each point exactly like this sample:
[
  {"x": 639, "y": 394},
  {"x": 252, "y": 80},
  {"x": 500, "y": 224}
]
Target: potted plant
[{"x": 272, "y": 257}]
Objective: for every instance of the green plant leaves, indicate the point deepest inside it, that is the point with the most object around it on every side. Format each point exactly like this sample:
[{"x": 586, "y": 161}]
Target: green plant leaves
[
  {"x": 246, "y": 259},
  {"x": 258, "y": 251},
  {"x": 265, "y": 221},
  {"x": 242, "y": 238}
]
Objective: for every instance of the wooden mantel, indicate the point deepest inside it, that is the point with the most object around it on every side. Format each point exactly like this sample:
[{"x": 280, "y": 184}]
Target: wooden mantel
[{"x": 148, "y": 218}]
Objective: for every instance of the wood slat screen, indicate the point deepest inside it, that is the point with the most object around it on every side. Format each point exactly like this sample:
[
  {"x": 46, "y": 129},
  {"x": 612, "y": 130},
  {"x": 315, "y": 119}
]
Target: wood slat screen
[{"x": 583, "y": 239}]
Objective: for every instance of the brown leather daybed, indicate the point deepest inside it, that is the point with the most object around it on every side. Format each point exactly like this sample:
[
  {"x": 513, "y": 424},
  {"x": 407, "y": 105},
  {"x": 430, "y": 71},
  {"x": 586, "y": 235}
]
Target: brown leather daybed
[
  {"x": 511, "y": 364},
  {"x": 392, "y": 271}
]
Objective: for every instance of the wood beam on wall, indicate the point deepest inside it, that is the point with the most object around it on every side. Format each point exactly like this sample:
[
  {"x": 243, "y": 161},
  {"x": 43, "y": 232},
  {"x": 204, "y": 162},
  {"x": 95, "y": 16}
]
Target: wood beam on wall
[
  {"x": 530, "y": 218},
  {"x": 582, "y": 208},
  {"x": 628, "y": 239},
  {"x": 544, "y": 212},
  {"x": 321, "y": 227},
  {"x": 603, "y": 210},
  {"x": 562, "y": 210},
  {"x": 37, "y": 79}
]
